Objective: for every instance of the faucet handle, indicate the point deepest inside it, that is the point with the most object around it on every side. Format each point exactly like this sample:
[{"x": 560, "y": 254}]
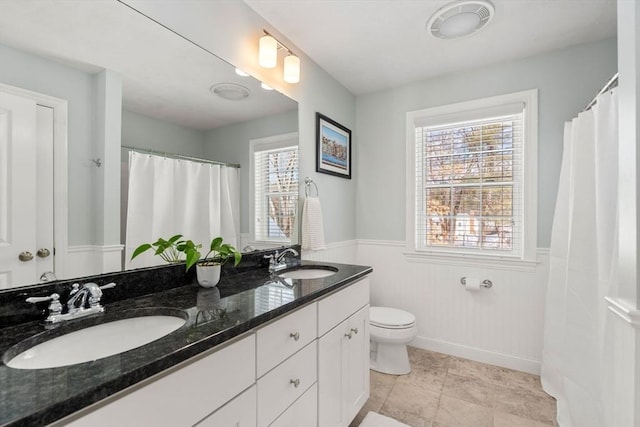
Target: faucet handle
[
  {"x": 54, "y": 307},
  {"x": 108, "y": 285}
]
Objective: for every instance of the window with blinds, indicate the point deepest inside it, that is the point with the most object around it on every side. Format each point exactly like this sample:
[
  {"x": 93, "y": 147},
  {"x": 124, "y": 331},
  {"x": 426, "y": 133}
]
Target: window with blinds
[
  {"x": 276, "y": 192},
  {"x": 471, "y": 191}
]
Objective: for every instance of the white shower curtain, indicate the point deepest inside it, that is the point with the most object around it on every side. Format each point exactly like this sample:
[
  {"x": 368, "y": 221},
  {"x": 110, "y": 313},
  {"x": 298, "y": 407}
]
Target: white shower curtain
[
  {"x": 583, "y": 267},
  {"x": 174, "y": 196}
]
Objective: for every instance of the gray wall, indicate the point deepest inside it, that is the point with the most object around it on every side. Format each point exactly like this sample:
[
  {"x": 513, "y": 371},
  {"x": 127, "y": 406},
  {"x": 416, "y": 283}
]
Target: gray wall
[
  {"x": 51, "y": 78},
  {"x": 566, "y": 81},
  {"x": 231, "y": 144},
  {"x": 145, "y": 132}
]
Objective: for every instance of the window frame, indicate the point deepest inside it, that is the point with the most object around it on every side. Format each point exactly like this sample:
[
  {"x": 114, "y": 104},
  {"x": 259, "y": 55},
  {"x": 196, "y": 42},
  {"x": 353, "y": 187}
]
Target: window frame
[
  {"x": 265, "y": 144},
  {"x": 467, "y": 111}
]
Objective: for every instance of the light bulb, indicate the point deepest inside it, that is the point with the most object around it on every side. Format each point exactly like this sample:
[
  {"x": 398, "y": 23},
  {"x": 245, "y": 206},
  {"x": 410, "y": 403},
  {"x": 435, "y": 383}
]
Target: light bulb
[
  {"x": 291, "y": 69},
  {"x": 268, "y": 52}
]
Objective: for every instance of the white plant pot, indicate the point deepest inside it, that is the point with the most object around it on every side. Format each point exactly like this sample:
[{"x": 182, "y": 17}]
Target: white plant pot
[{"x": 208, "y": 275}]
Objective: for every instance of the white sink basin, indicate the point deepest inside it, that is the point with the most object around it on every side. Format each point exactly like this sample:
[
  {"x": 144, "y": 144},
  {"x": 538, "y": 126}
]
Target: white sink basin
[
  {"x": 307, "y": 273},
  {"x": 96, "y": 342}
]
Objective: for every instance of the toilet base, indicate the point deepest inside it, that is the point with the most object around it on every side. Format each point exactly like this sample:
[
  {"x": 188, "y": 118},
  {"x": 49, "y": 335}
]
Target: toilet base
[{"x": 389, "y": 358}]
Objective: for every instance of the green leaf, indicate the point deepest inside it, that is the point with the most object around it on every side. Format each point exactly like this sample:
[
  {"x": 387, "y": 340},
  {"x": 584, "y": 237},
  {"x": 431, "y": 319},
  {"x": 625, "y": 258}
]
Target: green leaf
[
  {"x": 140, "y": 249},
  {"x": 237, "y": 257},
  {"x": 192, "y": 258}
]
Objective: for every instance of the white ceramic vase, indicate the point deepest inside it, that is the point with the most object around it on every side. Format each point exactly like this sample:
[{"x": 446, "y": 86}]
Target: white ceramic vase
[{"x": 208, "y": 275}]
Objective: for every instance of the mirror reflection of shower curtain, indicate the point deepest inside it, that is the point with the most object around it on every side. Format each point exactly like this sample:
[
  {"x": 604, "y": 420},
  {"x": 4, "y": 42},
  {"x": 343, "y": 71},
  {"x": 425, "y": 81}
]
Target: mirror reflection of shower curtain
[
  {"x": 175, "y": 196},
  {"x": 583, "y": 269}
]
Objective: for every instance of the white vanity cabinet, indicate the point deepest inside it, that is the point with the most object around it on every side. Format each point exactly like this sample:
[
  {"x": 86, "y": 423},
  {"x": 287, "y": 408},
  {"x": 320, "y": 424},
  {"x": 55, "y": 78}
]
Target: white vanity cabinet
[
  {"x": 343, "y": 355},
  {"x": 308, "y": 368},
  {"x": 184, "y": 396}
]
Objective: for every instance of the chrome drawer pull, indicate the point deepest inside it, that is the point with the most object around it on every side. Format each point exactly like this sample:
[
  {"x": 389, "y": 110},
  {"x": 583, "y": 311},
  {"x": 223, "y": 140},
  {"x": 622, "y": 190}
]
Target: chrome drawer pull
[
  {"x": 295, "y": 336},
  {"x": 295, "y": 382}
]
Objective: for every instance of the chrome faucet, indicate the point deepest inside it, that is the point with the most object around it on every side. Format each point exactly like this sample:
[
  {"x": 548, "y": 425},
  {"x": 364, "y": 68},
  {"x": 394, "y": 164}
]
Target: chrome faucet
[
  {"x": 77, "y": 303},
  {"x": 277, "y": 260}
]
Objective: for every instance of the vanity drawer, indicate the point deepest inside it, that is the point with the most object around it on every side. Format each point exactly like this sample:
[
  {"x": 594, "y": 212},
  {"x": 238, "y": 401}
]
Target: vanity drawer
[
  {"x": 335, "y": 308},
  {"x": 183, "y": 396},
  {"x": 304, "y": 412},
  {"x": 282, "y": 338},
  {"x": 240, "y": 412},
  {"x": 282, "y": 386}
]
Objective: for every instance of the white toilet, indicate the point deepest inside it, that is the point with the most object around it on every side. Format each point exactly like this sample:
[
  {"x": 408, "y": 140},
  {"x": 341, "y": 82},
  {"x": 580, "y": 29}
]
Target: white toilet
[{"x": 391, "y": 330}]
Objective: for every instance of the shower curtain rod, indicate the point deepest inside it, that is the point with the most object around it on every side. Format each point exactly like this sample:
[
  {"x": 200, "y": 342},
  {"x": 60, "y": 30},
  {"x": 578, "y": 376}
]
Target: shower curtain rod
[
  {"x": 179, "y": 156},
  {"x": 613, "y": 82}
]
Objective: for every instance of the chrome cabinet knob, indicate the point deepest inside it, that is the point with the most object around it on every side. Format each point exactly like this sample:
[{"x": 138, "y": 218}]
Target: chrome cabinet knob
[
  {"x": 349, "y": 335},
  {"x": 354, "y": 330},
  {"x": 43, "y": 252},
  {"x": 25, "y": 256},
  {"x": 295, "y": 382},
  {"x": 295, "y": 336}
]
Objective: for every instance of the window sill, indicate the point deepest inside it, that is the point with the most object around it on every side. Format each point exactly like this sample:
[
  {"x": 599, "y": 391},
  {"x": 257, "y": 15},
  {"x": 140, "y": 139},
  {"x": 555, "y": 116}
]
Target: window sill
[{"x": 491, "y": 262}]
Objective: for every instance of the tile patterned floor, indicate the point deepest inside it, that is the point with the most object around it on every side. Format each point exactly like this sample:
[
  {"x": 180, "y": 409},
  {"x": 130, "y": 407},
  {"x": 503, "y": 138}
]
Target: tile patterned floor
[{"x": 447, "y": 391}]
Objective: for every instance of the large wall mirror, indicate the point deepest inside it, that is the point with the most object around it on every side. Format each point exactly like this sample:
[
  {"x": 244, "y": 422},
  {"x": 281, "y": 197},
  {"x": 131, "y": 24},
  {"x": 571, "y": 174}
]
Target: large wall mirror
[{"x": 171, "y": 96}]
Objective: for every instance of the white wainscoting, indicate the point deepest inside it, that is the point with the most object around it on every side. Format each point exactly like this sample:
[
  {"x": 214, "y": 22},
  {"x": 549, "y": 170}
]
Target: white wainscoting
[
  {"x": 87, "y": 260},
  {"x": 340, "y": 252},
  {"x": 502, "y": 326}
]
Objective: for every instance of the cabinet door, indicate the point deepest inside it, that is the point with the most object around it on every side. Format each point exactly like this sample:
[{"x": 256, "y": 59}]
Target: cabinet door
[
  {"x": 332, "y": 349},
  {"x": 357, "y": 370},
  {"x": 240, "y": 412}
]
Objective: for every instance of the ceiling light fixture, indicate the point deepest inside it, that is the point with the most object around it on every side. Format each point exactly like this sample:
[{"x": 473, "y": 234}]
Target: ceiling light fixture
[
  {"x": 460, "y": 18},
  {"x": 230, "y": 91},
  {"x": 268, "y": 57}
]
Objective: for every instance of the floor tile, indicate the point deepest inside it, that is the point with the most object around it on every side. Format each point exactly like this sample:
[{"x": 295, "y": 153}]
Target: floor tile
[
  {"x": 410, "y": 404},
  {"x": 454, "y": 412},
  {"x": 448, "y": 391},
  {"x": 469, "y": 389},
  {"x": 525, "y": 404},
  {"x": 503, "y": 419}
]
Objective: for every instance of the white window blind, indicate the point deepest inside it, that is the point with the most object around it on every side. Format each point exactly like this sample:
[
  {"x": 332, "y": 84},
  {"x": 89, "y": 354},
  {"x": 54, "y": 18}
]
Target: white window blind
[
  {"x": 276, "y": 193},
  {"x": 469, "y": 185}
]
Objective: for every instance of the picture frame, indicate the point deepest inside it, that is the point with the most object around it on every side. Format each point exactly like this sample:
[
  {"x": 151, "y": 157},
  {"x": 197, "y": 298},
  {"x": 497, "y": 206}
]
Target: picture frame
[{"x": 333, "y": 147}]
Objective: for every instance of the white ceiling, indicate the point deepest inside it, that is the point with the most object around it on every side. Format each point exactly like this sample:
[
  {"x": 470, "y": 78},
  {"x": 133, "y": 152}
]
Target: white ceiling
[
  {"x": 164, "y": 76},
  {"x": 369, "y": 45}
]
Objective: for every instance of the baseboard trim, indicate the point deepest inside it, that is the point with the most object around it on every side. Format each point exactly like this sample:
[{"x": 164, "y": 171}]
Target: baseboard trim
[{"x": 479, "y": 355}]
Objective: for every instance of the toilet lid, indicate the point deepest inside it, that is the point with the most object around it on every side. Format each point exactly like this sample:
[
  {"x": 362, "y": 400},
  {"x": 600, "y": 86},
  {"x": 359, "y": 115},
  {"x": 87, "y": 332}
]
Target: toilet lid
[{"x": 387, "y": 317}]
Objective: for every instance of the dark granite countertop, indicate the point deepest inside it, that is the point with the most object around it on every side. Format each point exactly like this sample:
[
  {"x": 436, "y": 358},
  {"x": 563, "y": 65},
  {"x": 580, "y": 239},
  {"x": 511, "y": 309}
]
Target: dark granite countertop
[{"x": 239, "y": 303}]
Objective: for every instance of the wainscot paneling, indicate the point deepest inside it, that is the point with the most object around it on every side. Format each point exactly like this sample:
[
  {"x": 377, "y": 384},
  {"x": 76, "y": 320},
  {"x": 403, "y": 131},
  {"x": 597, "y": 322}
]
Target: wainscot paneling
[
  {"x": 87, "y": 260},
  {"x": 502, "y": 326},
  {"x": 340, "y": 252}
]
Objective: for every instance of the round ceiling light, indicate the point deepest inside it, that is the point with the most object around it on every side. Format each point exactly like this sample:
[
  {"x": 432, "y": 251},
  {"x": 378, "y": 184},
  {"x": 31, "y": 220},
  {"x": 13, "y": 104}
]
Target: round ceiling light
[
  {"x": 230, "y": 91},
  {"x": 460, "y": 18}
]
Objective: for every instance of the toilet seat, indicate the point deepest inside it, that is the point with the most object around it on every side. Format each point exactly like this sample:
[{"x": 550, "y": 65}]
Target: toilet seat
[{"x": 391, "y": 318}]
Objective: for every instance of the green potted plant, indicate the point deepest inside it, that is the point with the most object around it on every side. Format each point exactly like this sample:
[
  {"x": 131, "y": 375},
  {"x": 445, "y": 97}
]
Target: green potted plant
[
  {"x": 208, "y": 268},
  {"x": 177, "y": 249}
]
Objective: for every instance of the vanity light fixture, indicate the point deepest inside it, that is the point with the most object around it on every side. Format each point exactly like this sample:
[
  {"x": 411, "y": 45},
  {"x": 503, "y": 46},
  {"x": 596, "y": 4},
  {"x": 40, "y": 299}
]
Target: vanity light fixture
[
  {"x": 460, "y": 18},
  {"x": 268, "y": 57}
]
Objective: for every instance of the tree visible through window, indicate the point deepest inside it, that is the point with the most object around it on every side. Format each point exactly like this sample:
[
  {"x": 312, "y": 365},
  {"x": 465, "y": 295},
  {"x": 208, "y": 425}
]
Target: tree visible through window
[
  {"x": 276, "y": 196},
  {"x": 467, "y": 186}
]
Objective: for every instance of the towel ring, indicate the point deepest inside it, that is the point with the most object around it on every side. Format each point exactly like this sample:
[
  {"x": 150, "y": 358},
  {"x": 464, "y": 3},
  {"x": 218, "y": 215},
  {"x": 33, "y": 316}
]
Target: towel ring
[{"x": 307, "y": 187}]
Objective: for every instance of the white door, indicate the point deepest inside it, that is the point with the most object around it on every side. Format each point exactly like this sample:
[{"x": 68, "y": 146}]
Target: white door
[{"x": 21, "y": 161}]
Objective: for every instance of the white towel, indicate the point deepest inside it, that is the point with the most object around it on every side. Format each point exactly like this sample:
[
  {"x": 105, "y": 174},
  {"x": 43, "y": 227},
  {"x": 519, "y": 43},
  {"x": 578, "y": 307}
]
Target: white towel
[
  {"x": 374, "y": 419},
  {"x": 312, "y": 228}
]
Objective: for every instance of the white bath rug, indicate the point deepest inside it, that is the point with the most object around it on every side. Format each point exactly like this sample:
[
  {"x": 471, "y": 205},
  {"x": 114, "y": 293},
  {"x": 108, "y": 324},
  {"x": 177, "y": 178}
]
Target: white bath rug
[{"x": 373, "y": 419}]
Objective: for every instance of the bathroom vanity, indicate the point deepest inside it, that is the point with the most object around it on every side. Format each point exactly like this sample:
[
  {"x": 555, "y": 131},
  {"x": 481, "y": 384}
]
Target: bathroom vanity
[{"x": 258, "y": 350}]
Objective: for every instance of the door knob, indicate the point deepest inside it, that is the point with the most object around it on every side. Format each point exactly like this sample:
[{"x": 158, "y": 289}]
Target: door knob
[
  {"x": 43, "y": 252},
  {"x": 25, "y": 256}
]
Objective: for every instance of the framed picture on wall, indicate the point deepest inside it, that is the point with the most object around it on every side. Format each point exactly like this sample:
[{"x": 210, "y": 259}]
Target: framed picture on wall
[{"x": 333, "y": 147}]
